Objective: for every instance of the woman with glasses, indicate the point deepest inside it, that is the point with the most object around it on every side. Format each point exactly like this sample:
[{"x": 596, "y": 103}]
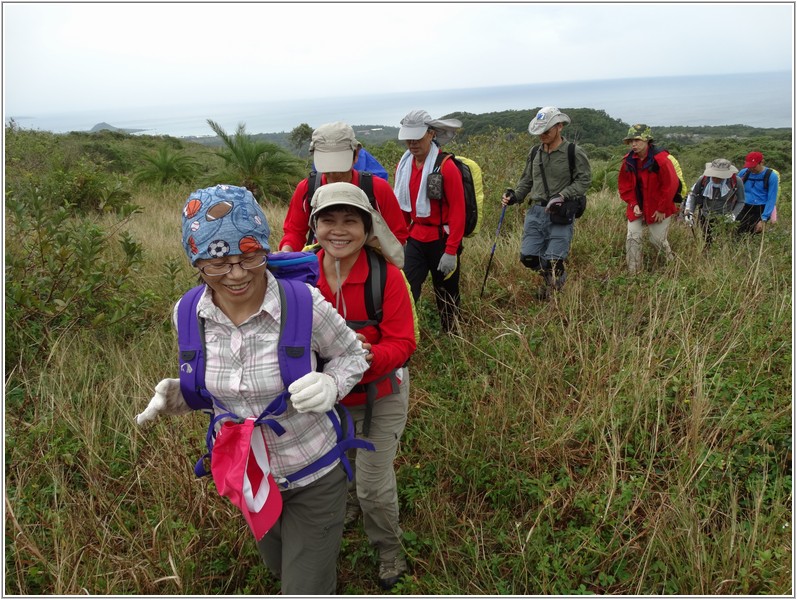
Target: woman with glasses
[{"x": 225, "y": 235}]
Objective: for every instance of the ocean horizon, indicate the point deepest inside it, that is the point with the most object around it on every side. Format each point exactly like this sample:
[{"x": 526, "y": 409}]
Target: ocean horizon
[{"x": 754, "y": 99}]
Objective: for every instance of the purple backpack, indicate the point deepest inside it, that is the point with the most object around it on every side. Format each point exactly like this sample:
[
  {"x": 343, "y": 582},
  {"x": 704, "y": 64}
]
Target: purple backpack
[{"x": 293, "y": 271}]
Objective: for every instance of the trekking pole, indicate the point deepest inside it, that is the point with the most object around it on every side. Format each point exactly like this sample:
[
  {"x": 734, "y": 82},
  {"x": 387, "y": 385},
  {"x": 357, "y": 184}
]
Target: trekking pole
[{"x": 492, "y": 252}]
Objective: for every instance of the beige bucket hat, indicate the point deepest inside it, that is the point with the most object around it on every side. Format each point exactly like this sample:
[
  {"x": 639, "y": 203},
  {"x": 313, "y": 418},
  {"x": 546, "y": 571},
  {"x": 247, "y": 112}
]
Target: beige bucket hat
[
  {"x": 720, "y": 167},
  {"x": 380, "y": 236}
]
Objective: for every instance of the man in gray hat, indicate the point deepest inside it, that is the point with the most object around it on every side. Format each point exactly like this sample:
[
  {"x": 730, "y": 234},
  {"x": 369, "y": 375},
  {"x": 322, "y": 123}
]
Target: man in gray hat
[
  {"x": 334, "y": 151},
  {"x": 557, "y": 176},
  {"x": 437, "y": 212},
  {"x": 717, "y": 194}
]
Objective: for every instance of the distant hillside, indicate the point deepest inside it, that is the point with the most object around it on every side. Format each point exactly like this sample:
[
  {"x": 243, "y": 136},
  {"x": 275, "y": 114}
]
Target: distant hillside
[
  {"x": 106, "y": 127},
  {"x": 589, "y": 126}
]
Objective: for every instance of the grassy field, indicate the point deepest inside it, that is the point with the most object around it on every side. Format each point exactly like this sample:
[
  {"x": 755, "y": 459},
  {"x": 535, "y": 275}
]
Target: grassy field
[{"x": 631, "y": 436}]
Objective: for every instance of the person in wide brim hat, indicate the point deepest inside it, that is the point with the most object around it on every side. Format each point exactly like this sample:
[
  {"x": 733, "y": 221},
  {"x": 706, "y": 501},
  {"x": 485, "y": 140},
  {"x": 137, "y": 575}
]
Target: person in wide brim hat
[{"x": 352, "y": 236}]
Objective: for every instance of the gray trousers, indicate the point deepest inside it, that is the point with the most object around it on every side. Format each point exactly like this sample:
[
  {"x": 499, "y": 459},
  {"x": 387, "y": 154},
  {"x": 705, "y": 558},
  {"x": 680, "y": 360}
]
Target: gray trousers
[
  {"x": 375, "y": 476},
  {"x": 544, "y": 239},
  {"x": 303, "y": 546}
]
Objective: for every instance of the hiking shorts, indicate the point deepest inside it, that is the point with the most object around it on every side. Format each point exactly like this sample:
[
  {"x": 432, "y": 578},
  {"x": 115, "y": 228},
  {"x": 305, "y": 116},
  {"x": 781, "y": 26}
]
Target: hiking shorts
[{"x": 543, "y": 238}]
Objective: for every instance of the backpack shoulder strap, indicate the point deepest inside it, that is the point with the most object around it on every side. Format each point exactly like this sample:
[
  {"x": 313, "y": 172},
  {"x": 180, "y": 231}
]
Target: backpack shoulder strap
[
  {"x": 296, "y": 330},
  {"x": 441, "y": 158},
  {"x": 313, "y": 183},
  {"x": 367, "y": 185},
  {"x": 571, "y": 160},
  {"x": 191, "y": 345},
  {"x": 533, "y": 152},
  {"x": 375, "y": 284},
  {"x": 767, "y": 175}
]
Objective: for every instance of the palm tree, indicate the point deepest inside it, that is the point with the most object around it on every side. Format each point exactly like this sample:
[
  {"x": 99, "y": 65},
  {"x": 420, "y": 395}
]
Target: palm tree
[
  {"x": 259, "y": 166},
  {"x": 166, "y": 166}
]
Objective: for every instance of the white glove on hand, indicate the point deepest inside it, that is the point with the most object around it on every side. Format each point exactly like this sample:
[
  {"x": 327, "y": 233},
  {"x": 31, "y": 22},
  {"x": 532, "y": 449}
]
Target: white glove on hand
[
  {"x": 314, "y": 392},
  {"x": 448, "y": 262},
  {"x": 731, "y": 218},
  {"x": 168, "y": 400}
]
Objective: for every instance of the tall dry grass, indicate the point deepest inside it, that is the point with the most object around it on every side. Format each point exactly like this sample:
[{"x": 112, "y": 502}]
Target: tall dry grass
[{"x": 630, "y": 436}]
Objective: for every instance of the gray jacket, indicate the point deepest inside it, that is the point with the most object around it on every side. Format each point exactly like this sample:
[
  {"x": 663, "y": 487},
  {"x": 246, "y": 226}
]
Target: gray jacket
[{"x": 711, "y": 203}]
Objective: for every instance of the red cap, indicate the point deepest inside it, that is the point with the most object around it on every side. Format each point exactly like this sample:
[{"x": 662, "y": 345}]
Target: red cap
[
  {"x": 239, "y": 464},
  {"x": 753, "y": 159}
]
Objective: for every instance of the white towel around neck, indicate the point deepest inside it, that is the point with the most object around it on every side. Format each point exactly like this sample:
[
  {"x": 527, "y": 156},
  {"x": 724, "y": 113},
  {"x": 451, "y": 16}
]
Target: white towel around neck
[{"x": 402, "y": 186}]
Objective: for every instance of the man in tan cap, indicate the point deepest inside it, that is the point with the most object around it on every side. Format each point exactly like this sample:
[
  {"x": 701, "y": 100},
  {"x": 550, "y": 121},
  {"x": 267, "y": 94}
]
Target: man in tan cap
[
  {"x": 717, "y": 194},
  {"x": 334, "y": 150}
]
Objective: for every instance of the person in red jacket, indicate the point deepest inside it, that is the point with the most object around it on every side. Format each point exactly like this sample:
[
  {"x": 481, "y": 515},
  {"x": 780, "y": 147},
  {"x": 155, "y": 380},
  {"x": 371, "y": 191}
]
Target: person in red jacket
[
  {"x": 437, "y": 224},
  {"x": 647, "y": 184},
  {"x": 334, "y": 151},
  {"x": 347, "y": 228}
]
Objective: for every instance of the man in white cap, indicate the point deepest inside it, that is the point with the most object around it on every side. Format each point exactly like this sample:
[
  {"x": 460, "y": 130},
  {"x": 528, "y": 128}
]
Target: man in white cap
[
  {"x": 718, "y": 194},
  {"x": 436, "y": 208},
  {"x": 335, "y": 150},
  {"x": 556, "y": 177}
]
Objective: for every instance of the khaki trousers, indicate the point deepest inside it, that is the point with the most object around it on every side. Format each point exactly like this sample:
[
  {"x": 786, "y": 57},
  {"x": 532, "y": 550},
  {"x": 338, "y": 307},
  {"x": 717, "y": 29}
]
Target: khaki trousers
[
  {"x": 633, "y": 241},
  {"x": 375, "y": 475}
]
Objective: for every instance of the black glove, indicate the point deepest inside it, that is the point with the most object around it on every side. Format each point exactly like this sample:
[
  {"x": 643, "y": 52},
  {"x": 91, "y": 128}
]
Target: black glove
[{"x": 510, "y": 193}]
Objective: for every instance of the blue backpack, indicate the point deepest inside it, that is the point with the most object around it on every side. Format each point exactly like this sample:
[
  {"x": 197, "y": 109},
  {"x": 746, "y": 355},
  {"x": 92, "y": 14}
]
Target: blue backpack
[{"x": 293, "y": 270}]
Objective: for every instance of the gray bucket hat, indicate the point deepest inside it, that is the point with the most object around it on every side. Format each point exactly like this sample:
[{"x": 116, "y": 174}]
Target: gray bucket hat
[{"x": 380, "y": 236}]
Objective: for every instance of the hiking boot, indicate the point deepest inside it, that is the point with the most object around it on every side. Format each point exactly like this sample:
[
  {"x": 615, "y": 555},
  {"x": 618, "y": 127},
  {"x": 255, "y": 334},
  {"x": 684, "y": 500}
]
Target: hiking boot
[
  {"x": 391, "y": 570},
  {"x": 353, "y": 512}
]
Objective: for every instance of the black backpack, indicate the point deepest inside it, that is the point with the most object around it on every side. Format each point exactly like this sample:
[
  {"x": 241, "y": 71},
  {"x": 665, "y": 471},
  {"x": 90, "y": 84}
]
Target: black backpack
[
  {"x": 581, "y": 201},
  {"x": 314, "y": 182},
  {"x": 767, "y": 175}
]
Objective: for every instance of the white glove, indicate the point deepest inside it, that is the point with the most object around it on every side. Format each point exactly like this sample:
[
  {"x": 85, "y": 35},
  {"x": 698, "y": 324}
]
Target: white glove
[
  {"x": 448, "y": 262},
  {"x": 314, "y": 392},
  {"x": 731, "y": 218},
  {"x": 168, "y": 400},
  {"x": 688, "y": 218}
]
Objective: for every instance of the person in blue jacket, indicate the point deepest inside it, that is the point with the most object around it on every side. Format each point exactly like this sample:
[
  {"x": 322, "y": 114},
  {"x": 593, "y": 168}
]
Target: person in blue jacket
[{"x": 760, "y": 194}]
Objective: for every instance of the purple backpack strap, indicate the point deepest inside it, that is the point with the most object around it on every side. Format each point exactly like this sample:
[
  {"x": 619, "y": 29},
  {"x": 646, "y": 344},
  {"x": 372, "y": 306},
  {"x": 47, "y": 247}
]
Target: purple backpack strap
[
  {"x": 190, "y": 341},
  {"x": 296, "y": 329}
]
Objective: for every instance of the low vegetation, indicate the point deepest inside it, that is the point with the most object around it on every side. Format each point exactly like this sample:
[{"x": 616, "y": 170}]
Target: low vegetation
[{"x": 631, "y": 436}]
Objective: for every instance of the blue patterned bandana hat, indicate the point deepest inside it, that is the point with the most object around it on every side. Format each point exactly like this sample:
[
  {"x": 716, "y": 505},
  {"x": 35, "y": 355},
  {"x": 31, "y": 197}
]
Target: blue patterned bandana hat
[{"x": 223, "y": 220}]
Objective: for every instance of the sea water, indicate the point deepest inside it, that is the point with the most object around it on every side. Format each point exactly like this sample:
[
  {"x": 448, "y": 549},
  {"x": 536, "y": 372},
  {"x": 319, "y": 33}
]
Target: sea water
[{"x": 756, "y": 99}]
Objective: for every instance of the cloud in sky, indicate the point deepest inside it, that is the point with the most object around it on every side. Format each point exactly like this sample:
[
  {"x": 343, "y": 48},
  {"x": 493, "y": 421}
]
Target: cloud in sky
[{"x": 62, "y": 57}]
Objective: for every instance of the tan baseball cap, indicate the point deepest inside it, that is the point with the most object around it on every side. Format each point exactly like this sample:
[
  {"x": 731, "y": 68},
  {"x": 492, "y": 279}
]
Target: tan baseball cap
[{"x": 333, "y": 146}]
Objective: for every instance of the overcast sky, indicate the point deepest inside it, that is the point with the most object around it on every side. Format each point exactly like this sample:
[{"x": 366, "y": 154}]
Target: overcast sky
[{"x": 59, "y": 57}]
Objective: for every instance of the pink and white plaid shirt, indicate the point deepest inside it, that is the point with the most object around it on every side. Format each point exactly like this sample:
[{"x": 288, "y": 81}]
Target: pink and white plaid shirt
[{"x": 242, "y": 372}]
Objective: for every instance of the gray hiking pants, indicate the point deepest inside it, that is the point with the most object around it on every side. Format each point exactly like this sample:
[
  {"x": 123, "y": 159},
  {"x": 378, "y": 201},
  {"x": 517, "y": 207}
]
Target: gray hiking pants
[
  {"x": 375, "y": 475},
  {"x": 303, "y": 546},
  {"x": 542, "y": 238}
]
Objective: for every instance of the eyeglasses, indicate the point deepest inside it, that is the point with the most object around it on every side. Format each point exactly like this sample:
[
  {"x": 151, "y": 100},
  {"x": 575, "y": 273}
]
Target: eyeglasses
[{"x": 248, "y": 263}]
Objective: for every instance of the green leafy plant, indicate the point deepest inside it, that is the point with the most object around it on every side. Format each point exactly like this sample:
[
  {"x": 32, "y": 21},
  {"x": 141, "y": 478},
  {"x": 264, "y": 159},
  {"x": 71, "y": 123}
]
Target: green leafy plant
[
  {"x": 261, "y": 167},
  {"x": 167, "y": 166}
]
